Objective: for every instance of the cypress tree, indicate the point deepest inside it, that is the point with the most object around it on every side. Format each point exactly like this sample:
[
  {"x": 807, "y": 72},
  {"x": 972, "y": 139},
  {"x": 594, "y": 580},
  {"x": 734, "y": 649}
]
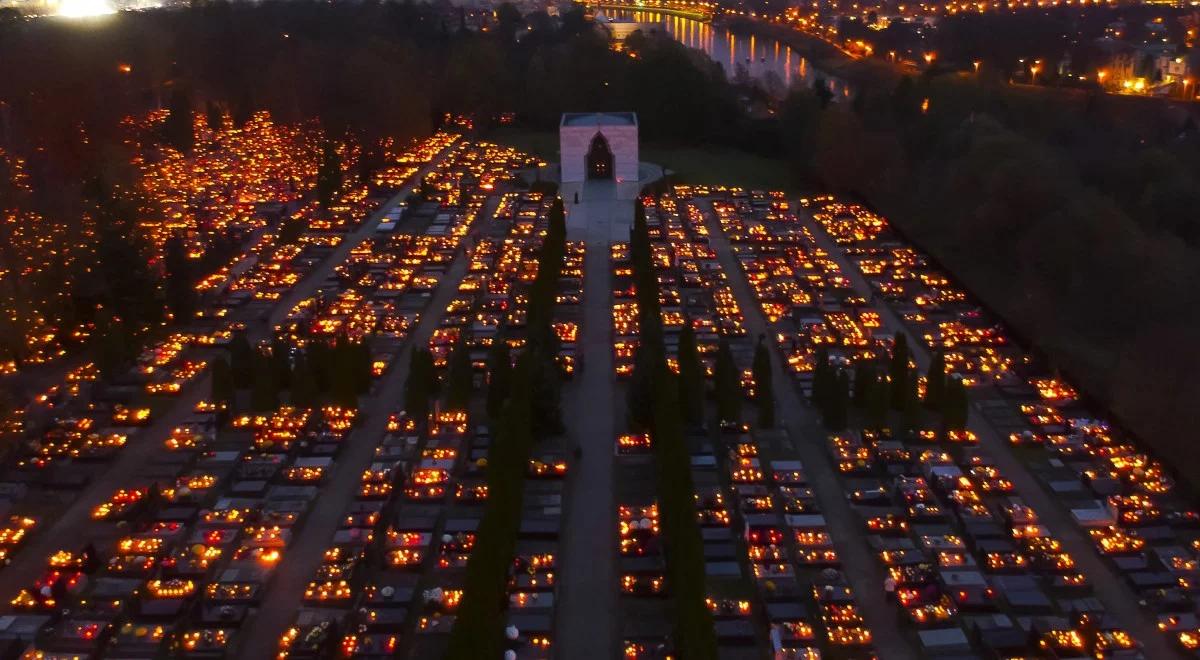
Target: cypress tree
[
  {"x": 911, "y": 411},
  {"x": 304, "y": 384},
  {"x": 935, "y": 381},
  {"x": 459, "y": 376},
  {"x": 478, "y": 630},
  {"x": 764, "y": 388},
  {"x": 416, "y": 387},
  {"x": 728, "y": 385},
  {"x": 499, "y": 378},
  {"x": 264, "y": 393},
  {"x": 178, "y": 130},
  {"x": 693, "y": 629},
  {"x": 362, "y": 364},
  {"x": 898, "y": 370},
  {"x": 343, "y": 377},
  {"x": 433, "y": 384},
  {"x": 955, "y": 406},
  {"x": 291, "y": 229},
  {"x": 421, "y": 385},
  {"x": 877, "y": 402},
  {"x": 556, "y": 231},
  {"x": 281, "y": 362},
  {"x": 639, "y": 239},
  {"x": 222, "y": 382},
  {"x": 691, "y": 376},
  {"x": 864, "y": 377},
  {"x": 241, "y": 361},
  {"x": 329, "y": 175},
  {"x": 113, "y": 348},
  {"x": 838, "y": 411},
  {"x": 821, "y": 385},
  {"x": 181, "y": 295},
  {"x": 639, "y": 397},
  {"x": 547, "y": 381},
  {"x": 213, "y": 116},
  {"x": 320, "y": 356}
]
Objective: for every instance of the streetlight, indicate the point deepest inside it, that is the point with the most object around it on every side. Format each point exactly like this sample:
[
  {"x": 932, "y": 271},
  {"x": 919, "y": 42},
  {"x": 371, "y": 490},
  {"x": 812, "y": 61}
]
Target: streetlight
[
  {"x": 976, "y": 63},
  {"x": 929, "y": 57}
]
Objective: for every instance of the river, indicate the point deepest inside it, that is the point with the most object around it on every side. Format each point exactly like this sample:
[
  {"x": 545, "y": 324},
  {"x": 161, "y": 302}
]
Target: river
[{"x": 763, "y": 58}]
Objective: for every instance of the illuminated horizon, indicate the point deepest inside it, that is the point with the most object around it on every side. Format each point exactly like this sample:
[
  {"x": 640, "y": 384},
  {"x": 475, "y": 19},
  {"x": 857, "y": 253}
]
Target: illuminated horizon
[{"x": 84, "y": 8}]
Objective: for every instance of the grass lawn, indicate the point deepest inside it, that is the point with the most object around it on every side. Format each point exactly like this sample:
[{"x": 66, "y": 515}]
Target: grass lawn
[{"x": 696, "y": 165}]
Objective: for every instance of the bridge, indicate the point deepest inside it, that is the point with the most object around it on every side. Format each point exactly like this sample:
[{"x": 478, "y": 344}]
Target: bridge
[{"x": 699, "y": 10}]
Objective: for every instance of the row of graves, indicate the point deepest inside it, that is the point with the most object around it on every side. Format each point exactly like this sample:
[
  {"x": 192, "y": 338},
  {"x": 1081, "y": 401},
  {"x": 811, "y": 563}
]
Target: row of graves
[
  {"x": 228, "y": 504},
  {"x": 644, "y": 621},
  {"x": 186, "y": 549},
  {"x": 229, "y": 191},
  {"x": 523, "y": 219},
  {"x": 276, "y": 266},
  {"x": 251, "y": 285},
  {"x": 365, "y": 596},
  {"x": 270, "y": 266},
  {"x": 265, "y": 273},
  {"x": 801, "y": 604},
  {"x": 456, "y": 200},
  {"x": 693, "y": 289},
  {"x": 392, "y": 589},
  {"x": 971, "y": 567},
  {"x": 191, "y": 542},
  {"x": 798, "y": 287},
  {"x": 264, "y": 270},
  {"x": 404, "y": 161},
  {"x": 933, "y": 309},
  {"x": 969, "y": 563},
  {"x": 771, "y": 572},
  {"x": 376, "y": 296},
  {"x": 472, "y": 171},
  {"x": 230, "y": 183},
  {"x": 1117, "y": 492},
  {"x": 79, "y": 427},
  {"x": 391, "y": 578},
  {"x": 491, "y": 306}
]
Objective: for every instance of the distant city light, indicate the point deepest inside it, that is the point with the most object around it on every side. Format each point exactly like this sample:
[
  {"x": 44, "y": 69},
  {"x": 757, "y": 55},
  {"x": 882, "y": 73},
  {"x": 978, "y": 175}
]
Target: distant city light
[{"x": 84, "y": 8}]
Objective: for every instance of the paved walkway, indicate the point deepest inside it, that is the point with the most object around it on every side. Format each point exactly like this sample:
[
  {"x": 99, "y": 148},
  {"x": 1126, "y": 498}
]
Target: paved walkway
[
  {"x": 599, "y": 218},
  {"x": 807, "y": 436},
  {"x": 1109, "y": 586},
  {"x": 587, "y": 611}
]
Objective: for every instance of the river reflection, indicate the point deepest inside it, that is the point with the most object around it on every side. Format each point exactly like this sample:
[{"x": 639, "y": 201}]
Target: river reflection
[{"x": 762, "y": 58}]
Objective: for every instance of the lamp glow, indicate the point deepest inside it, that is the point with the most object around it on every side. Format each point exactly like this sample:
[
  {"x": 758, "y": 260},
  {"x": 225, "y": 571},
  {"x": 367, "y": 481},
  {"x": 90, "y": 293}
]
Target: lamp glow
[{"x": 84, "y": 8}]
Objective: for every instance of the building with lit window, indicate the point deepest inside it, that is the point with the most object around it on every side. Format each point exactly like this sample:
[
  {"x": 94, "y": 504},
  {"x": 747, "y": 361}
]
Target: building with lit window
[{"x": 599, "y": 146}]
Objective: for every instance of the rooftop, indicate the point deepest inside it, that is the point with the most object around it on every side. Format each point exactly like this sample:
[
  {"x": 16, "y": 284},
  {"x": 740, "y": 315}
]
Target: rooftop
[{"x": 599, "y": 119}]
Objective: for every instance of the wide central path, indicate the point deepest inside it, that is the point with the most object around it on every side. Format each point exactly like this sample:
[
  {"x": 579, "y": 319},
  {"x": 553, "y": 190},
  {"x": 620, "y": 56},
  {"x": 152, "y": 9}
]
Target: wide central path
[{"x": 587, "y": 615}]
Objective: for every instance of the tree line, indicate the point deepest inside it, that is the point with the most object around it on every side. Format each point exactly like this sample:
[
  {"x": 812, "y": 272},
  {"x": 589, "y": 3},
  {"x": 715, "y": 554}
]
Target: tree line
[
  {"x": 321, "y": 372},
  {"x": 523, "y": 401},
  {"x": 664, "y": 409}
]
